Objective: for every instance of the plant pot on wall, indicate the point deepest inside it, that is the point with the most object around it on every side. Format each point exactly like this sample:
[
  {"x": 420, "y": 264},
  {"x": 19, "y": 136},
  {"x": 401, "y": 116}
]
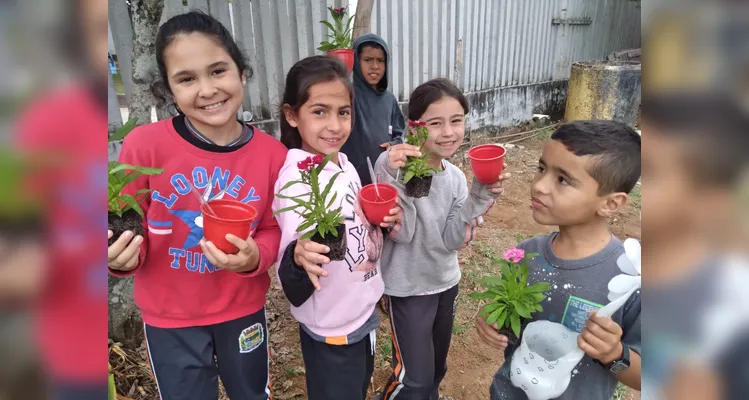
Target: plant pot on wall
[{"x": 345, "y": 55}]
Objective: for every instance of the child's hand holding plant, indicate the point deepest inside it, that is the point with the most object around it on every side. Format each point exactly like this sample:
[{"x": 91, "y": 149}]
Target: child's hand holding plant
[{"x": 398, "y": 155}]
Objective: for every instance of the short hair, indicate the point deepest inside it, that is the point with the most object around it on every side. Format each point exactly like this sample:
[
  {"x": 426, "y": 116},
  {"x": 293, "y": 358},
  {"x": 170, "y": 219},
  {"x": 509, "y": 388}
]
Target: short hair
[
  {"x": 713, "y": 125},
  {"x": 614, "y": 146}
]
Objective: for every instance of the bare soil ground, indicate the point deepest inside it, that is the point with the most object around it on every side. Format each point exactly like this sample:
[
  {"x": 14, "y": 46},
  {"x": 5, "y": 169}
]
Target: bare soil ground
[{"x": 471, "y": 363}]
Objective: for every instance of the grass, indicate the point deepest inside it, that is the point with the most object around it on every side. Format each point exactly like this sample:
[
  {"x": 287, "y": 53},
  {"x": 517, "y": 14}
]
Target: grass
[
  {"x": 385, "y": 348},
  {"x": 621, "y": 392},
  {"x": 291, "y": 372},
  {"x": 546, "y": 133},
  {"x": 460, "y": 329}
]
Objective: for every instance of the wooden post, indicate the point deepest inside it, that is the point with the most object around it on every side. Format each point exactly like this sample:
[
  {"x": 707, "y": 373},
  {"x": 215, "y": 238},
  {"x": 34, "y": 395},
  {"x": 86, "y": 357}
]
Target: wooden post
[{"x": 363, "y": 17}]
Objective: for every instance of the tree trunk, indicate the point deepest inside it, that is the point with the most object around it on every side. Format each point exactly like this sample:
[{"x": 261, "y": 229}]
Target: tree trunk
[
  {"x": 363, "y": 17},
  {"x": 114, "y": 117},
  {"x": 145, "y": 16}
]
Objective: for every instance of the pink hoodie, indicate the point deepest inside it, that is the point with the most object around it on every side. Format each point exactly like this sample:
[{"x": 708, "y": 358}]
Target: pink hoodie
[{"x": 350, "y": 292}]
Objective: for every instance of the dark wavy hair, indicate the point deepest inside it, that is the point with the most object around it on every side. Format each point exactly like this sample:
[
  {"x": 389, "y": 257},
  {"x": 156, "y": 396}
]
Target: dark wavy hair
[
  {"x": 191, "y": 22},
  {"x": 301, "y": 77}
]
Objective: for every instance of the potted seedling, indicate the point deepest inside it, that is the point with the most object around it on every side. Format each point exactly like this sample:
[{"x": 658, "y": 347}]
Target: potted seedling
[
  {"x": 512, "y": 300},
  {"x": 340, "y": 43},
  {"x": 124, "y": 211},
  {"x": 417, "y": 172},
  {"x": 315, "y": 207}
]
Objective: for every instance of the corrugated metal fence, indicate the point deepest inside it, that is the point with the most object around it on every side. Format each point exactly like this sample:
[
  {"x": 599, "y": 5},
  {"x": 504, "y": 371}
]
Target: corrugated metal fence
[
  {"x": 483, "y": 44},
  {"x": 480, "y": 44}
]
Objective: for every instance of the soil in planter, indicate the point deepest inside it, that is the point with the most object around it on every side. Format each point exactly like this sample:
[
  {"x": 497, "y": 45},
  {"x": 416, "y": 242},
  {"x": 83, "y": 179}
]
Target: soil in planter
[
  {"x": 337, "y": 245},
  {"x": 130, "y": 221},
  {"x": 20, "y": 229},
  {"x": 419, "y": 187},
  {"x": 511, "y": 338}
]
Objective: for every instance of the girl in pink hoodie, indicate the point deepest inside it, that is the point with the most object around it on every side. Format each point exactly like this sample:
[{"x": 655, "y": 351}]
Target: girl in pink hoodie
[{"x": 334, "y": 302}]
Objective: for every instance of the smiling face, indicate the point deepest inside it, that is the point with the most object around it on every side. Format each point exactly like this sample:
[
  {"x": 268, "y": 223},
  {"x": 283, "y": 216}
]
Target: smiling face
[
  {"x": 563, "y": 192},
  {"x": 373, "y": 64},
  {"x": 324, "y": 120},
  {"x": 445, "y": 120},
  {"x": 205, "y": 81}
]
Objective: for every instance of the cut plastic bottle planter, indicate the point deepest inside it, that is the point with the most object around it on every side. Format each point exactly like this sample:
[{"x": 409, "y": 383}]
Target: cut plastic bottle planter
[{"x": 543, "y": 363}]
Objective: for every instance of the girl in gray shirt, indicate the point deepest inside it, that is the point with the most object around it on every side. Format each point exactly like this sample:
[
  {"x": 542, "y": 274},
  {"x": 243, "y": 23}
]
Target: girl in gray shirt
[{"x": 420, "y": 261}]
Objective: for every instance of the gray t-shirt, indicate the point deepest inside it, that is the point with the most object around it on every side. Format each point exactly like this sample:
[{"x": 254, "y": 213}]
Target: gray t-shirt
[
  {"x": 422, "y": 257},
  {"x": 577, "y": 287}
]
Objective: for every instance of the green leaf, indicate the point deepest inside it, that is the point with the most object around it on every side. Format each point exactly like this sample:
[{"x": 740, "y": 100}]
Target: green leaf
[
  {"x": 491, "y": 281},
  {"x": 515, "y": 323},
  {"x": 305, "y": 225},
  {"x": 327, "y": 46},
  {"x": 111, "y": 388},
  {"x": 530, "y": 256},
  {"x": 538, "y": 287},
  {"x": 506, "y": 272},
  {"x": 539, "y": 296},
  {"x": 501, "y": 319},
  {"x": 493, "y": 316},
  {"x": 295, "y": 199},
  {"x": 408, "y": 176},
  {"x": 132, "y": 203},
  {"x": 329, "y": 25},
  {"x": 481, "y": 295},
  {"x": 143, "y": 170},
  {"x": 539, "y": 308},
  {"x": 283, "y": 210},
  {"x": 332, "y": 200},
  {"x": 487, "y": 309},
  {"x": 123, "y": 130},
  {"x": 521, "y": 309},
  {"x": 289, "y": 184},
  {"x": 307, "y": 235},
  {"x": 325, "y": 191}
]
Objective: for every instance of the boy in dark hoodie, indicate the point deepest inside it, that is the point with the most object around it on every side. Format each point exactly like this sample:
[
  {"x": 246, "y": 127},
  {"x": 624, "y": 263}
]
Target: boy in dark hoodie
[{"x": 375, "y": 108}]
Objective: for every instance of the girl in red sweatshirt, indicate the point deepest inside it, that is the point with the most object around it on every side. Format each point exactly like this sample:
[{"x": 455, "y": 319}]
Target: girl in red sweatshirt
[{"x": 197, "y": 302}]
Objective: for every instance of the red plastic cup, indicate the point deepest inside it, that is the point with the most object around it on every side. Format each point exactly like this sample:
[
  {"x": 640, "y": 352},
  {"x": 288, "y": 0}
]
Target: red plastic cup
[
  {"x": 376, "y": 208},
  {"x": 487, "y": 162},
  {"x": 345, "y": 55},
  {"x": 232, "y": 216}
]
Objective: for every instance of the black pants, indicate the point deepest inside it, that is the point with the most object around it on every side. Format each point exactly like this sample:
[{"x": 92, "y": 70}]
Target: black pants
[
  {"x": 422, "y": 328},
  {"x": 183, "y": 363},
  {"x": 72, "y": 391},
  {"x": 337, "y": 372}
]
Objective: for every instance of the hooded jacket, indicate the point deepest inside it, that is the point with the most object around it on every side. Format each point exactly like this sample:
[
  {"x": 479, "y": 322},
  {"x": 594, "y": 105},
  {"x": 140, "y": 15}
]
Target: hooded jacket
[{"x": 374, "y": 110}]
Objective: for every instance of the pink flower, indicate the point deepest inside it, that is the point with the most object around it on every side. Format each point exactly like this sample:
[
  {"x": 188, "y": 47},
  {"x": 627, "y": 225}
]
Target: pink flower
[
  {"x": 514, "y": 255},
  {"x": 416, "y": 123}
]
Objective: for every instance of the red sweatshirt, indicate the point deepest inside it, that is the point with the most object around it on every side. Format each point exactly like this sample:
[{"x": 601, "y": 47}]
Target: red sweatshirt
[
  {"x": 175, "y": 285},
  {"x": 71, "y": 312}
]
